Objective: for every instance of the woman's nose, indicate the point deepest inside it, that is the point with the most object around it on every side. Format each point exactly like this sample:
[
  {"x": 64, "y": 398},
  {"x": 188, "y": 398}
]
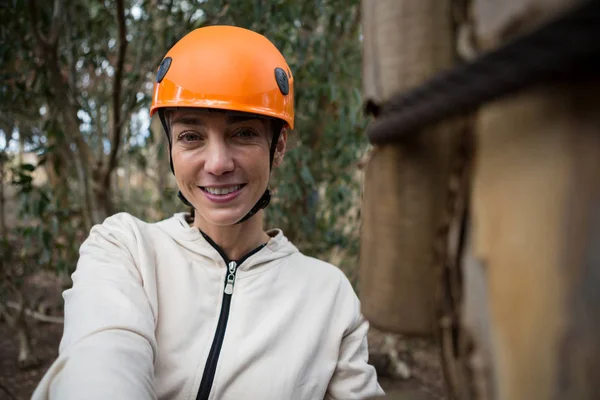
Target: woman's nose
[{"x": 219, "y": 159}]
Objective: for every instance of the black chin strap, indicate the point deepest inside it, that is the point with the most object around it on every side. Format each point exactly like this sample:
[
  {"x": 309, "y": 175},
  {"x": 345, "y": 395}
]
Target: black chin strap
[{"x": 264, "y": 200}]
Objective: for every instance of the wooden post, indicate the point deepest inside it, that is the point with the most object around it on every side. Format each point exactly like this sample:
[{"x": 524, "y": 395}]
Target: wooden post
[
  {"x": 405, "y": 184},
  {"x": 532, "y": 277}
]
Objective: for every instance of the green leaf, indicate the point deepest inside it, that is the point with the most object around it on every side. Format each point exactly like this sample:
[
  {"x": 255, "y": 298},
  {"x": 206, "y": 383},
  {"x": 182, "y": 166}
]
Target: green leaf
[{"x": 307, "y": 176}]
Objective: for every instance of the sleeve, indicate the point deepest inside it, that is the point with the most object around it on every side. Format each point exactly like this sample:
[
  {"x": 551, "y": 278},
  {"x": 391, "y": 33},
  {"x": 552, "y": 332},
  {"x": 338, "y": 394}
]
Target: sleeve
[
  {"x": 354, "y": 377},
  {"x": 108, "y": 345}
]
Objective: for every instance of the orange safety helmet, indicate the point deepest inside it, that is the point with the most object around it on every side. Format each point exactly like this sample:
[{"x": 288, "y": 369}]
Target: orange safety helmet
[{"x": 227, "y": 68}]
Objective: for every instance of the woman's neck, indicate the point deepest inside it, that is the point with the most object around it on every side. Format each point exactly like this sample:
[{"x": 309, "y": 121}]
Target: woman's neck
[{"x": 235, "y": 240}]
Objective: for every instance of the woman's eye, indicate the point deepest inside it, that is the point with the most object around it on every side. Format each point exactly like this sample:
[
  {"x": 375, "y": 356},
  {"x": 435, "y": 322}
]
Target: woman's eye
[
  {"x": 189, "y": 137},
  {"x": 245, "y": 133}
]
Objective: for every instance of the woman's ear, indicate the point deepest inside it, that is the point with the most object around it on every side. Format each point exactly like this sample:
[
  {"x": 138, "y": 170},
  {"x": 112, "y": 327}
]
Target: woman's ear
[{"x": 280, "y": 149}]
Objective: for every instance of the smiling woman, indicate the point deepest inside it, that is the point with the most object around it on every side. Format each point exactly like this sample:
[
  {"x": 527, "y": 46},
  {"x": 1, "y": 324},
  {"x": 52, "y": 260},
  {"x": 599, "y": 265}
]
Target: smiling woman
[{"x": 209, "y": 304}]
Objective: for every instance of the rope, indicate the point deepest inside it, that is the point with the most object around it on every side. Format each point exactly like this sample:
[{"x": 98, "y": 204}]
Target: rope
[{"x": 567, "y": 48}]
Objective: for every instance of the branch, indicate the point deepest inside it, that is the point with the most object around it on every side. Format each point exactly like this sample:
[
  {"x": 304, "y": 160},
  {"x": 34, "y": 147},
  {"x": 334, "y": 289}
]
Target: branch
[
  {"x": 55, "y": 27},
  {"x": 72, "y": 59},
  {"x": 61, "y": 93},
  {"x": 131, "y": 103},
  {"x": 136, "y": 85},
  {"x": 116, "y": 95},
  {"x": 38, "y": 316},
  {"x": 52, "y": 39},
  {"x": 37, "y": 33}
]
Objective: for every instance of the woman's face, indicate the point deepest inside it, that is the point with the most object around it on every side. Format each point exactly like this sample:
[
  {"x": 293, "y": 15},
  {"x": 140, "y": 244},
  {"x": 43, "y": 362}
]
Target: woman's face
[{"x": 221, "y": 162}]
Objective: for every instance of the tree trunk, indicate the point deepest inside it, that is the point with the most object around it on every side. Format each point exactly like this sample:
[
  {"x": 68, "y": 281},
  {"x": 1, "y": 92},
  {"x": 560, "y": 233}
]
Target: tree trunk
[
  {"x": 17, "y": 322},
  {"x": 66, "y": 109},
  {"x": 120, "y": 182},
  {"x": 4, "y": 163},
  {"x": 82, "y": 157},
  {"x": 26, "y": 358},
  {"x": 58, "y": 163},
  {"x": 103, "y": 182},
  {"x": 21, "y": 150},
  {"x": 161, "y": 171},
  {"x": 104, "y": 201},
  {"x": 126, "y": 181},
  {"x": 160, "y": 147},
  {"x": 3, "y": 229}
]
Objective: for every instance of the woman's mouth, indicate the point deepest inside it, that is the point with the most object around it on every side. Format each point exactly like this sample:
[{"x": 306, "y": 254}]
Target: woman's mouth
[
  {"x": 223, "y": 193},
  {"x": 219, "y": 191}
]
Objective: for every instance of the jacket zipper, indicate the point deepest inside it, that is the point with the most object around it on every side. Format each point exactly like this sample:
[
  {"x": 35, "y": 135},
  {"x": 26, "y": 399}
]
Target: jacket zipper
[{"x": 215, "y": 349}]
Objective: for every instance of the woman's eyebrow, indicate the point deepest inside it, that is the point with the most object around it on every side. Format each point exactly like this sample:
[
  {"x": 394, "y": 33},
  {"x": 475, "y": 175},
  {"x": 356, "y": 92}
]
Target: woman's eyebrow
[
  {"x": 236, "y": 119},
  {"x": 187, "y": 120}
]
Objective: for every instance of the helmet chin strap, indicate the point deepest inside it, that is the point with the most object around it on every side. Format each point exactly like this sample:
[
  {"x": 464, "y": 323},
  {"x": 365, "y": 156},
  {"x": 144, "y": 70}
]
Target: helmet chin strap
[{"x": 264, "y": 200}]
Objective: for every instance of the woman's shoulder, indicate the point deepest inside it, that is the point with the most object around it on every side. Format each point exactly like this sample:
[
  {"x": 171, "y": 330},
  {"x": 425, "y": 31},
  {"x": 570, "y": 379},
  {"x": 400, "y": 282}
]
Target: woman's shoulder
[
  {"x": 130, "y": 236},
  {"x": 318, "y": 269},
  {"x": 125, "y": 220},
  {"x": 121, "y": 219},
  {"x": 121, "y": 223},
  {"x": 317, "y": 264},
  {"x": 127, "y": 227}
]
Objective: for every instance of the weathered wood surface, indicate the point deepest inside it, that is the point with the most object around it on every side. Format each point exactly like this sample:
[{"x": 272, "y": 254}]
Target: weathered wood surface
[
  {"x": 405, "y": 184},
  {"x": 536, "y": 201},
  {"x": 499, "y": 21},
  {"x": 531, "y": 303}
]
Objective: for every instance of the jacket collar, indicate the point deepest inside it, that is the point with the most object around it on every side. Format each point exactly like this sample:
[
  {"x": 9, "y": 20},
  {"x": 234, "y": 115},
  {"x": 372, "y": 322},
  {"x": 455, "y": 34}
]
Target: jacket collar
[{"x": 191, "y": 238}]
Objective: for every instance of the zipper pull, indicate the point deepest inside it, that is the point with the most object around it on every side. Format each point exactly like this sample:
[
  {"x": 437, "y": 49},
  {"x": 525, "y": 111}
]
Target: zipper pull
[{"x": 230, "y": 278}]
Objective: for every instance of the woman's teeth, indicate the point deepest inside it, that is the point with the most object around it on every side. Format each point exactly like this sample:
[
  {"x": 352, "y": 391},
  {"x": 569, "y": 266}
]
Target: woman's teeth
[{"x": 223, "y": 190}]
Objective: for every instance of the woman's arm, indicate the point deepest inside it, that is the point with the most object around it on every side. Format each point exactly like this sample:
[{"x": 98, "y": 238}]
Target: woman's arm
[
  {"x": 354, "y": 377},
  {"x": 108, "y": 346}
]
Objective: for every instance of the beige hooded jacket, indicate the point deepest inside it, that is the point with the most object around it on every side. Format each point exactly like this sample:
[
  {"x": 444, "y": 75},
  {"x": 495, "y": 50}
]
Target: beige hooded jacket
[{"x": 150, "y": 315}]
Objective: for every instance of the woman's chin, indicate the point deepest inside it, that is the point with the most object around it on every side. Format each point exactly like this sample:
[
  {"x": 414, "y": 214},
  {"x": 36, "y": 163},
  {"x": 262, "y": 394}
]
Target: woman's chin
[{"x": 222, "y": 218}]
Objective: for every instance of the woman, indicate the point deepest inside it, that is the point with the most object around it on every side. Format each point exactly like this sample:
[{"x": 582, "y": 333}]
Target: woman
[{"x": 209, "y": 305}]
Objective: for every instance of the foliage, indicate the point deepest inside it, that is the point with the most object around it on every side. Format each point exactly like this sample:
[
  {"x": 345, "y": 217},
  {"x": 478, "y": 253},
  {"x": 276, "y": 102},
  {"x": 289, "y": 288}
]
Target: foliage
[
  {"x": 47, "y": 236},
  {"x": 51, "y": 233}
]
